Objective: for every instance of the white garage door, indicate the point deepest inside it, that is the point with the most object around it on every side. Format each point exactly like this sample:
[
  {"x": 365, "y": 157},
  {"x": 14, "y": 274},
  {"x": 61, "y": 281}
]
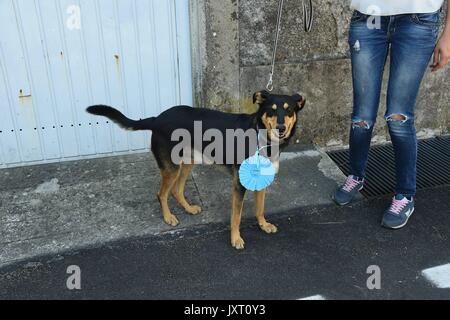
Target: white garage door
[{"x": 59, "y": 56}]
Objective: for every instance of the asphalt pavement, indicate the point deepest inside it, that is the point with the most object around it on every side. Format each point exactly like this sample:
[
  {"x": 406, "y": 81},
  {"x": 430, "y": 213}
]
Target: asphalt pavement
[{"x": 325, "y": 252}]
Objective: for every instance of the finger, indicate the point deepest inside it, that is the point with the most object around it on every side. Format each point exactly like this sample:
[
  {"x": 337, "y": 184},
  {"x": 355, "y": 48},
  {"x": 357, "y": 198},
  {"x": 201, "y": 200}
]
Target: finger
[
  {"x": 440, "y": 65},
  {"x": 436, "y": 60},
  {"x": 436, "y": 56}
]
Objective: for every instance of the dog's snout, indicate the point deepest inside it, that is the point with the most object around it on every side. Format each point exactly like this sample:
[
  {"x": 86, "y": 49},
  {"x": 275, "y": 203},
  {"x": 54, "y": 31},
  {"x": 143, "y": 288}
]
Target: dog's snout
[{"x": 281, "y": 128}]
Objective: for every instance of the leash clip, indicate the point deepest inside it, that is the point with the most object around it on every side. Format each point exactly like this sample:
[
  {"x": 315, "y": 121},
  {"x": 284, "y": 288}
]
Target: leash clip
[{"x": 269, "y": 86}]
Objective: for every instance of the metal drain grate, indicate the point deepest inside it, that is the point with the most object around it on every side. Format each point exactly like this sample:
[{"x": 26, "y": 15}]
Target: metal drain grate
[{"x": 433, "y": 166}]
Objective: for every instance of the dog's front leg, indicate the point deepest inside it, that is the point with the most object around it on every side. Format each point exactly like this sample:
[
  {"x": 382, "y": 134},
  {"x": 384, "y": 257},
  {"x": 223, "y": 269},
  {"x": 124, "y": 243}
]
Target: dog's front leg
[
  {"x": 236, "y": 214},
  {"x": 260, "y": 197}
]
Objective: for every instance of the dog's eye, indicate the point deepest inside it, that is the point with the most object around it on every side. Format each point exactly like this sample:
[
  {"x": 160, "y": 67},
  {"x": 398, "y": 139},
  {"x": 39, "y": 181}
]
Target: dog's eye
[{"x": 289, "y": 112}]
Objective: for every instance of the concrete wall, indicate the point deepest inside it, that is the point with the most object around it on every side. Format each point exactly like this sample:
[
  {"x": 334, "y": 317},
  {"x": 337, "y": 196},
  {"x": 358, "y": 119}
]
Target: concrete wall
[{"x": 233, "y": 43}]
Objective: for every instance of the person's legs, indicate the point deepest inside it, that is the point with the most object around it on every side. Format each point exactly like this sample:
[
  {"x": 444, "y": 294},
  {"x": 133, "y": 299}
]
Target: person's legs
[
  {"x": 369, "y": 48},
  {"x": 412, "y": 45}
]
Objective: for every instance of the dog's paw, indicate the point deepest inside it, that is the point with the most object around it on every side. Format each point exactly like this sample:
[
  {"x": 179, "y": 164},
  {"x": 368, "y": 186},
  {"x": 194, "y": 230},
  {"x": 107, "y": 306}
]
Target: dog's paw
[
  {"x": 237, "y": 243},
  {"x": 171, "y": 220},
  {"x": 194, "y": 210},
  {"x": 269, "y": 228}
]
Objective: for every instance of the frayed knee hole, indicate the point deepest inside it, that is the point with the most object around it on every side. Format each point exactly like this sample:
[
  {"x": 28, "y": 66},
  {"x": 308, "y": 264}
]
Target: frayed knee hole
[
  {"x": 361, "y": 124},
  {"x": 397, "y": 117}
]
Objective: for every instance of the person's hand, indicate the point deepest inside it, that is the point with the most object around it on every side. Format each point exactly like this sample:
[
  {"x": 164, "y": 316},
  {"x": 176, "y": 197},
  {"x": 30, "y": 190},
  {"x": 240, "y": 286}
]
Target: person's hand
[{"x": 441, "y": 52}]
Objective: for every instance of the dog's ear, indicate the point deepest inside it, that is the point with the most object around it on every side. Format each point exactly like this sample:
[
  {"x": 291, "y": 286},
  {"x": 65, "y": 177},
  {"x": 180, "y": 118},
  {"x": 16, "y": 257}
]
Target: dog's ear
[
  {"x": 300, "y": 101},
  {"x": 260, "y": 96}
]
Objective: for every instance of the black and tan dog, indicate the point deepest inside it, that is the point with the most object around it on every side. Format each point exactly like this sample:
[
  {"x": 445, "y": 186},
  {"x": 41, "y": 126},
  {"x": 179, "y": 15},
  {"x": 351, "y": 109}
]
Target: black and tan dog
[{"x": 276, "y": 113}]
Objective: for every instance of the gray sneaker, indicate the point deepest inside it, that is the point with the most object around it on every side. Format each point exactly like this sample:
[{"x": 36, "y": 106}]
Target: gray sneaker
[
  {"x": 345, "y": 193},
  {"x": 398, "y": 214}
]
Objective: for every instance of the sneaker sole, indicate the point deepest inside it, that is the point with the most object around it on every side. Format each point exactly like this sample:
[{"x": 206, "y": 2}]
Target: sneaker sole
[
  {"x": 344, "y": 204},
  {"x": 400, "y": 226}
]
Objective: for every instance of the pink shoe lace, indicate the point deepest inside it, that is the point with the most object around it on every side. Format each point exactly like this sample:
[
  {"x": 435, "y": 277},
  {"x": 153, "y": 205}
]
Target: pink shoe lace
[
  {"x": 350, "y": 184},
  {"x": 398, "y": 205}
]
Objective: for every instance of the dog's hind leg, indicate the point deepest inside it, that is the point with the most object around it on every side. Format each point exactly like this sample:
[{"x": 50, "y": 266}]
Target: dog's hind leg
[
  {"x": 169, "y": 173},
  {"x": 236, "y": 214},
  {"x": 169, "y": 178},
  {"x": 260, "y": 197},
  {"x": 179, "y": 187}
]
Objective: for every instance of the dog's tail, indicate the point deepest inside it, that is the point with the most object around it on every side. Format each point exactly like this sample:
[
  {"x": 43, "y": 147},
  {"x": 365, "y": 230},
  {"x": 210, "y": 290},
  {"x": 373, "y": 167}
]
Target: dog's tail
[{"x": 117, "y": 117}]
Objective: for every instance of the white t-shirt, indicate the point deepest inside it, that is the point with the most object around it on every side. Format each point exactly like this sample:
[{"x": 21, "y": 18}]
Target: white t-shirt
[{"x": 393, "y": 7}]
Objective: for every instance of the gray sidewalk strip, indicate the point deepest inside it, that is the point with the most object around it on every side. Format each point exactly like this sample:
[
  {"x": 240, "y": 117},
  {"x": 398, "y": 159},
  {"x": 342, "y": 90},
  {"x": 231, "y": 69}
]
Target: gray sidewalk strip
[{"x": 51, "y": 208}]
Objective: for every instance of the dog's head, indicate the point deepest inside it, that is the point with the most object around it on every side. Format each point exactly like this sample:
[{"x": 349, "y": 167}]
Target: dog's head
[{"x": 278, "y": 114}]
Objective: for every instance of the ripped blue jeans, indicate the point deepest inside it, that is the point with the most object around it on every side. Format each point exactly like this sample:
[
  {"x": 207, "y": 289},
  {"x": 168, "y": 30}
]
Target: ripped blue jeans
[{"x": 409, "y": 40}]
